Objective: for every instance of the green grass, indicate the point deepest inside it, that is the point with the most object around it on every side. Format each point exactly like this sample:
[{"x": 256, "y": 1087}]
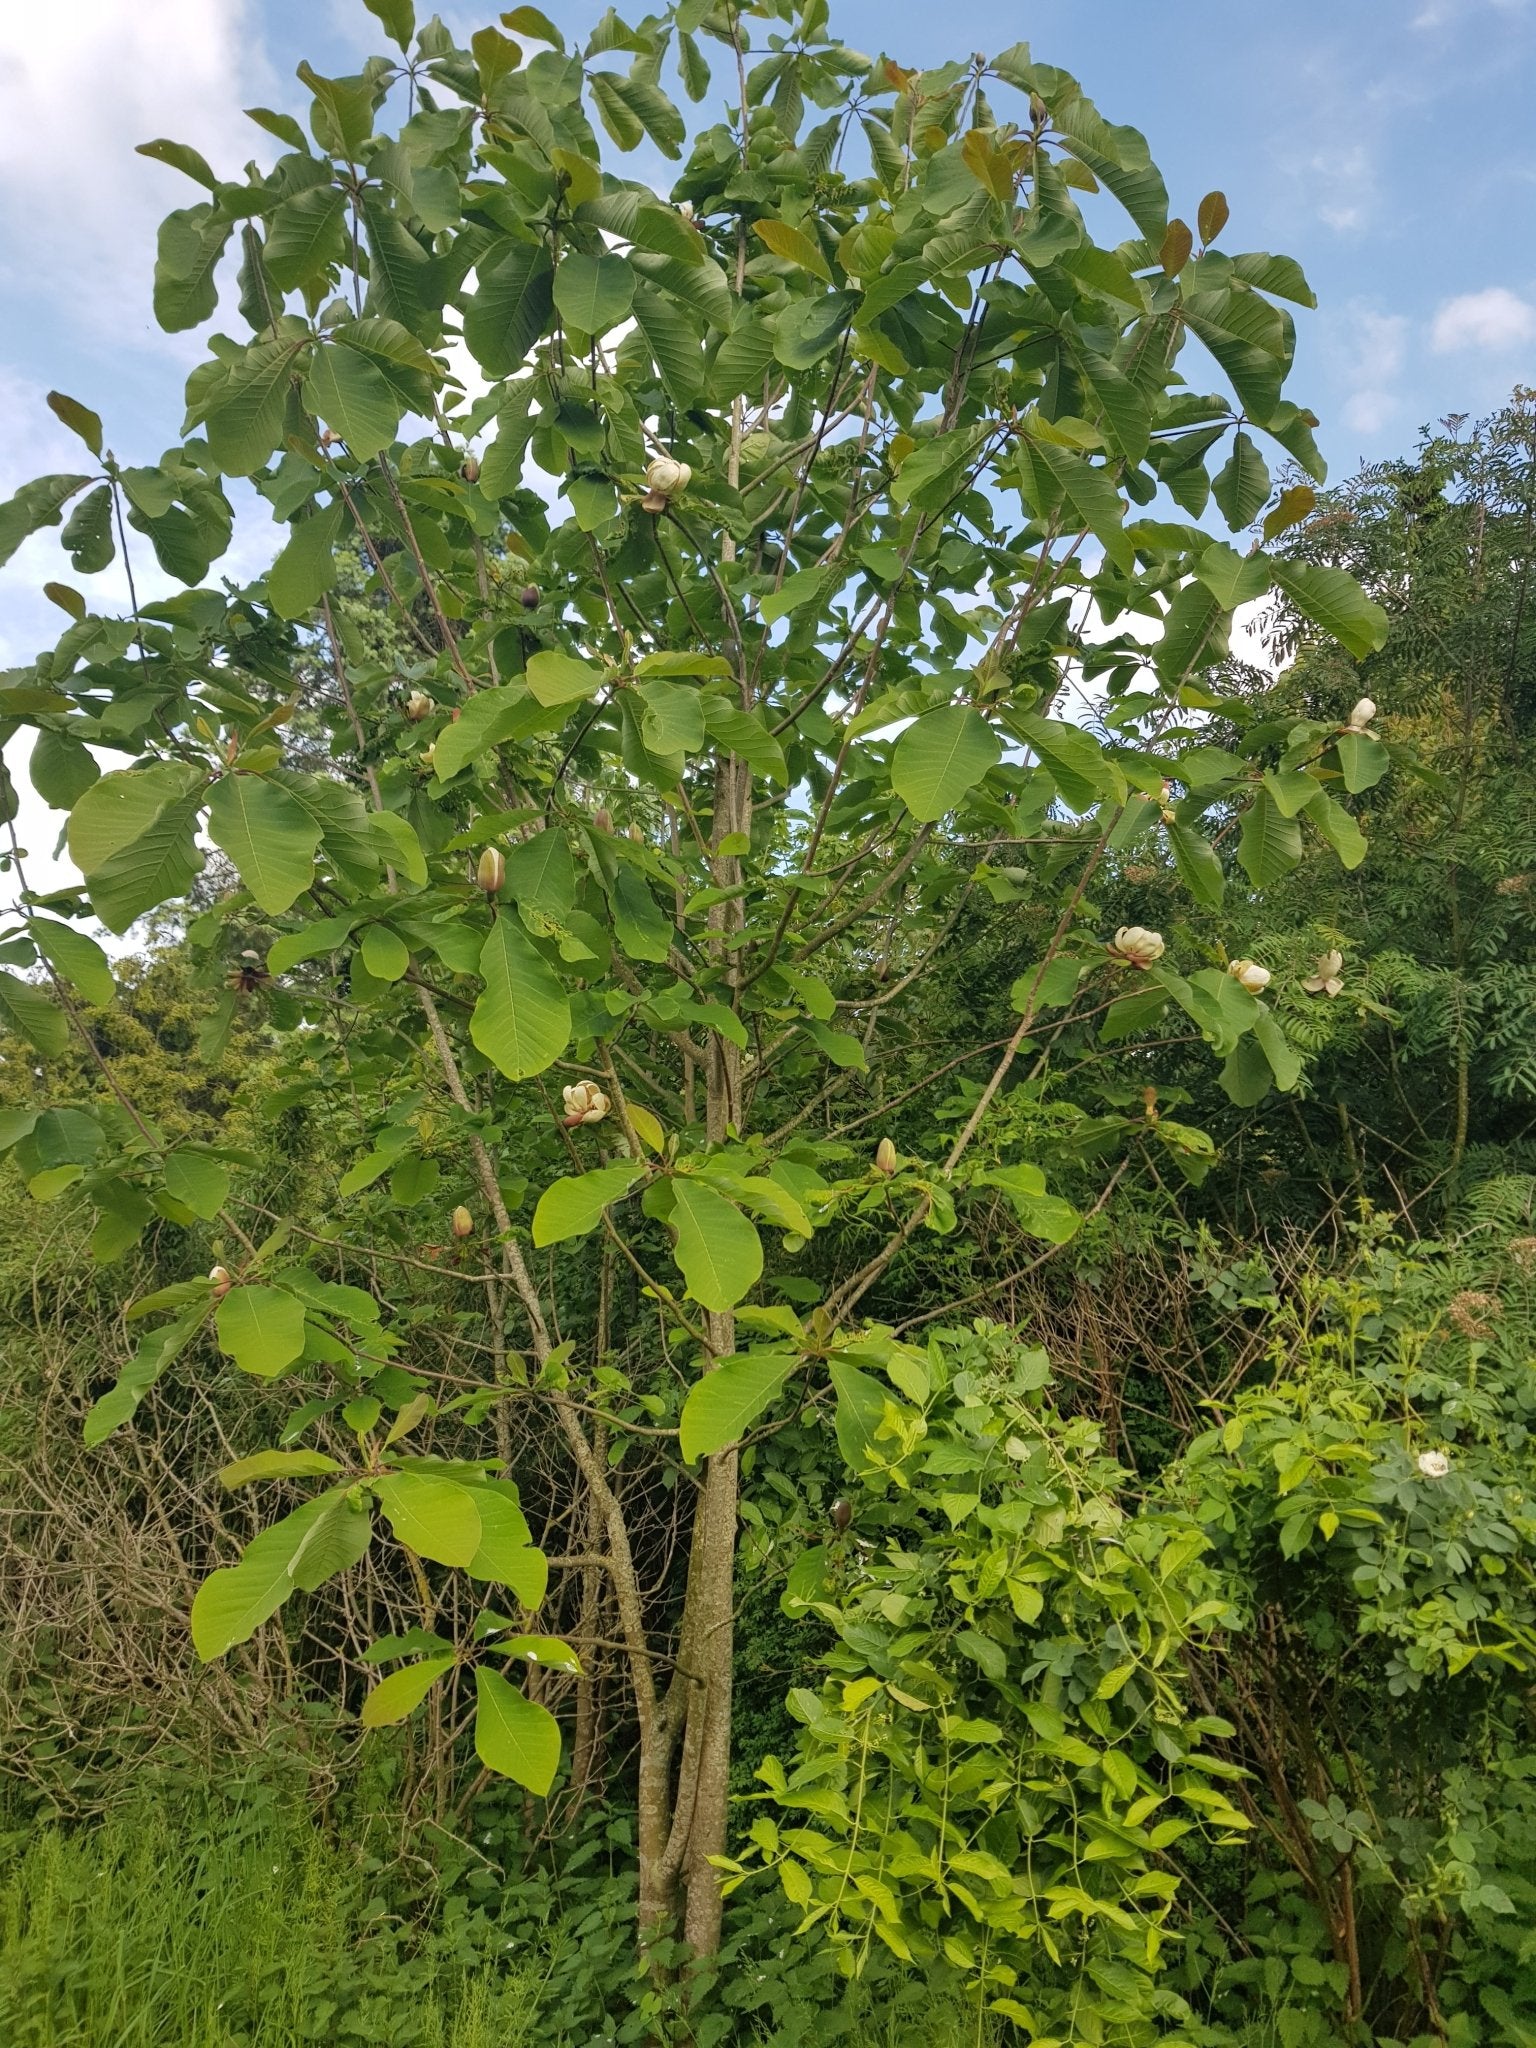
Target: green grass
[{"x": 149, "y": 1929}]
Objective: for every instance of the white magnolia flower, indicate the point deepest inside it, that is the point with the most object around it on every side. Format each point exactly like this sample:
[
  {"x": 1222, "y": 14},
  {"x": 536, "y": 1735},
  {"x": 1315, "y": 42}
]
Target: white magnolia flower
[
  {"x": 1137, "y": 946},
  {"x": 585, "y": 1103},
  {"x": 1324, "y": 978},
  {"x": 1433, "y": 1464},
  {"x": 419, "y": 706},
  {"x": 1249, "y": 974},
  {"x": 1362, "y": 715},
  {"x": 665, "y": 479}
]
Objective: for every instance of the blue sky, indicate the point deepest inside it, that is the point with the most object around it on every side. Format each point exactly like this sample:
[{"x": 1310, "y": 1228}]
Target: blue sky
[{"x": 1387, "y": 146}]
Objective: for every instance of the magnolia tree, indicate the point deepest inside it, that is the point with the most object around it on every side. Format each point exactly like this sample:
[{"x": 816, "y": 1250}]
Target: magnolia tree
[{"x": 741, "y": 544}]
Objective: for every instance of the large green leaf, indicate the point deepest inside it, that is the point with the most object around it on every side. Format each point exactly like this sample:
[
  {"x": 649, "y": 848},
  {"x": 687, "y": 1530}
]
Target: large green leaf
[
  {"x": 199, "y": 1183},
  {"x": 718, "y": 1250},
  {"x": 594, "y": 293},
  {"x": 37, "y": 504},
  {"x": 261, "y": 1329},
  {"x": 308, "y": 566},
  {"x": 233, "y": 1603},
  {"x": 1270, "y": 843},
  {"x": 514, "y": 1736},
  {"x": 158, "y": 866},
  {"x": 1242, "y": 485},
  {"x": 572, "y": 1207},
  {"x": 76, "y": 956},
  {"x": 510, "y": 309},
  {"x": 504, "y": 1554},
  {"x": 397, "y": 1697},
  {"x": 268, "y": 835},
  {"x": 722, "y": 1406},
  {"x": 306, "y": 237},
  {"x": 937, "y": 759},
  {"x": 245, "y": 410},
  {"x": 556, "y": 678},
  {"x": 1332, "y": 599},
  {"x": 522, "y": 1022},
  {"x": 491, "y": 718},
  {"x": 27, "y": 1009},
  {"x": 1363, "y": 760},
  {"x": 350, "y": 394},
  {"x": 192, "y": 240},
  {"x": 436, "y": 1518}
]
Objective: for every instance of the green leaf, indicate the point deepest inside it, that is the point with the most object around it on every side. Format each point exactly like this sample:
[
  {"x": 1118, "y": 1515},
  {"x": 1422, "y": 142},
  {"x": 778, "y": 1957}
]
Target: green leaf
[
  {"x": 489, "y": 719},
  {"x": 505, "y": 1555},
  {"x": 397, "y": 1697},
  {"x": 347, "y": 391},
  {"x": 385, "y": 954},
  {"x": 1332, "y": 599},
  {"x": 1363, "y": 760},
  {"x": 436, "y": 1518},
  {"x": 1284, "y": 1060},
  {"x": 1270, "y": 843},
  {"x": 940, "y": 757},
  {"x": 25, "y": 1008},
  {"x": 510, "y": 309},
  {"x": 642, "y": 928},
  {"x": 76, "y": 956},
  {"x": 594, "y": 293},
  {"x": 541, "y": 874},
  {"x": 342, "y": 117},
  {"x": 860, "y": 1410},
  {"x": 718, "y": 1250},
  {"x": 1198, "y": 867},
  {"x": 268, "y": 835},
  {"x": 556, "y": 678},
  {"x": 514, "y": 1736},
  {"x": 307, "y": 567},
  {"x": 1090, "y": 497},
  {"x": 153, "y": 1353},
  {"x": 233, "y": 1603},
  {"x": 722, "y": 1406},
  {"x": 197, "y": 1181},
  {"x": 192, "y": 240},
  {"x": 1339, "y": 827},
  {"x": 159, "y": 865},
  {"x": 522, "y": 1022},
  {"x": 307, "y": 238},
  {"x": 87, "y": 536},
  {"x": 62, "y": 769},
  {"x": 78, "y": 418},
  {"x": 276, "y": 1465},
  {"x": 1242, "y": 485},
  {"x": 793, "y": 246},
  {"x": 261, "y": 1329},
  {"x": 399, "y": 22},
  {"x": 181, "y": 156},
  {"x": 575, "y": 1205},
  {"x": 623, "y": 125},
  {"x": 673, "y": 344},
  {"x": 36, "y": 505},
  {"x": 244, "y": 415}
]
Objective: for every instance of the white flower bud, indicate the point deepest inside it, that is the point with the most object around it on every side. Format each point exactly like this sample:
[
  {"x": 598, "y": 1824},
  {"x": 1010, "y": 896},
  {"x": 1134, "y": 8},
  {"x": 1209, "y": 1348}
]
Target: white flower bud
[
  {"x": 885, "y": 1156},
  {"x": 1324, "y": 978},
  {"x": 1137, "y": 946},
  {"x": 585, "y": 1103},
  {"x": 665, "y": 479},
  {"x": 491, "y": 871},
  {"x": 419, "y": 706},
  {"x": 221, "y": 1282},
  {"x": 462, "y": 1223},
  {"x": 1362, "y": 715},
  {"x": 1433, "y": 1464},
  {"x": 1249, "y": 974}
]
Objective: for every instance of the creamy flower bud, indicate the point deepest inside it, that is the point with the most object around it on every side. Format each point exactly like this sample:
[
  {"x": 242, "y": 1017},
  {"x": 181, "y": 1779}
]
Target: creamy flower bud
[
  {"x": 1362, "y": 715},
  {"x": 1137, "y": 946},
  {"x": 469, "y": 469},
  {"x": 491, "y": 870},
  {"x": 1433, "y": 1464},
  {"x": 462, "y": 1224},
  {"x": 885, "y": 1157},
  {"x": 418, "y": 706},
  {"x": 1249, "y": 974},
  {"x": 219, "y": 1276},
  {"x": 602, "y": 818},
  {"x": 585, "y": 1103},
  {"x": 665, "y": 479},
  {"x": 1324, "y": 978}
]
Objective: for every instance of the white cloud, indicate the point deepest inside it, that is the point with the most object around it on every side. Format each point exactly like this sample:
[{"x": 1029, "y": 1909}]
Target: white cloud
[
  {"x": 81, "y": 83},
  {"x": 1368, "y": 349},
  {"x": 1494, "y": 319}
]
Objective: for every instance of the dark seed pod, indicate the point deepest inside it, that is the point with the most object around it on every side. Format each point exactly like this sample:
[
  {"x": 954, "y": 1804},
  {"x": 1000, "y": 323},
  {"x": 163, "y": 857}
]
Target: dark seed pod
[
  {"x": 528, "y": 597},
  {"x": 842, "y": 1515}
]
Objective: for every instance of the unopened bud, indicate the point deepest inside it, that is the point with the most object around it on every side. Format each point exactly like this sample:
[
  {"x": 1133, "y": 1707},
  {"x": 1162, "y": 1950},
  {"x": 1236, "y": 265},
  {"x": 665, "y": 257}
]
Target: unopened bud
[
  {"x": 491, "y": 871},
  {"x": 602, "y": 818},
  {"x": 528, "y": 597},
  {"x": 885, "y": 1157},
  {"x": 220, "y": 1281},
  {"x": 637, "y": 835},
  {"x": 1362, "y": 715},
  {"x": 469, "y": 469},
  {"x": 429, "y": 758},
  {"x": 418, "y": 706},
  {"x": 463, "y": 1223},
  {"x": 1249, "y": 974}
]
